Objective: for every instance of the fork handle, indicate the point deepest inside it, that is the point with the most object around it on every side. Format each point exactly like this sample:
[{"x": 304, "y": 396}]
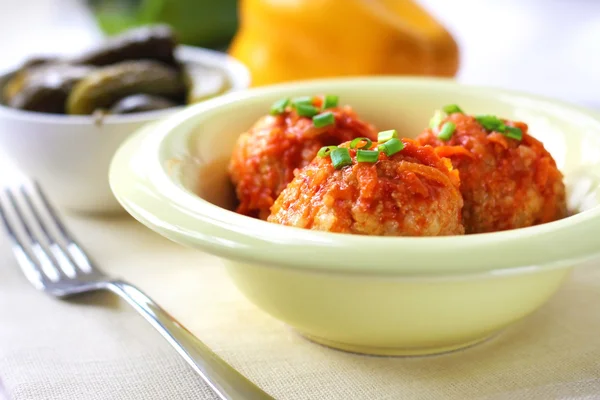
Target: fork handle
[{"x": 227, "y": 383}]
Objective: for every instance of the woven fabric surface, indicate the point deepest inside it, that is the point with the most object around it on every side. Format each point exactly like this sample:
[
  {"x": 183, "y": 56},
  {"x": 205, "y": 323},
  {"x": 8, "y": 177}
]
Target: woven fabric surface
[{"x": 98, "y": 348}]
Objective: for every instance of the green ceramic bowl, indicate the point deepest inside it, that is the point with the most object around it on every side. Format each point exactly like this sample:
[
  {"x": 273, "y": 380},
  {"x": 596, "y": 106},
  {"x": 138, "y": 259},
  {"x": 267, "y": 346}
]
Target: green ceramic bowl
[{"x": 375, "y": 295}]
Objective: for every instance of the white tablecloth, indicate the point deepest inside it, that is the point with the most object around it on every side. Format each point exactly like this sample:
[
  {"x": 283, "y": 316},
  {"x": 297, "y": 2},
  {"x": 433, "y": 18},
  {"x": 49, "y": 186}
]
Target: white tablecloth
[{"x": 97, "y": 348}]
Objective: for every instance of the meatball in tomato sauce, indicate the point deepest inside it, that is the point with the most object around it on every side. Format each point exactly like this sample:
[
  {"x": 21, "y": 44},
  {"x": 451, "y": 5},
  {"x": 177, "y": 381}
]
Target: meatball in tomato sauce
[
  {"x": 265, "y": 157},
  {"x": 410, "y": 193},
  {"x": 508, "y": 179}
]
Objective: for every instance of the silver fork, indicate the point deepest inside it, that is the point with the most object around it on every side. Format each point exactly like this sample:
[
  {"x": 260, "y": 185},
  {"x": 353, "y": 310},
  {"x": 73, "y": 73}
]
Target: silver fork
[{"x": 55, "y": 263}]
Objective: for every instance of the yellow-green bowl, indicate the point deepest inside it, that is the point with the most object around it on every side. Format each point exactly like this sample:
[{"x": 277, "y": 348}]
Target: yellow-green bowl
[{"x": 375, "y": 295}]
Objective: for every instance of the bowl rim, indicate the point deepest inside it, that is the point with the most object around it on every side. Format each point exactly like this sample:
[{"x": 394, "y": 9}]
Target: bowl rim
[
  {"x": 164, "y": 205},
  {"x": 236, "y": 71}
]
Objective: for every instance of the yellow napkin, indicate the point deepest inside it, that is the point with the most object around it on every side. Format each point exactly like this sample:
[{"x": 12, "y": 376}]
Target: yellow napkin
[{"x": 99, "y": 348}]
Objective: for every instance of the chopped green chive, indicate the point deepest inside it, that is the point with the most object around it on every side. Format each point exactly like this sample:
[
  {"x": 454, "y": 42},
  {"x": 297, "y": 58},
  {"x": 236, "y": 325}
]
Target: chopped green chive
[
  {"x": 340, "y": 157},
  {"x": 325, "y": 151},
  {"x": 491, "y": 123},
  {"x": 324, "y": 119},
  {"x": 514, "y": 133},
  {"x": 305, "y": 110},
  {"x": 279, "y": 106},
  {"x": 436, "y": 120},
  {"x": 354, "y": 144},
  {"x": 330, "y": 101},
  {"x": 447, "y": 130},
  {"x": 452, "y": 109},
  {"x": 370, "y": 156},
  {"x": 304, "y": 100},
  {"x": 391, "y": 147},
  {"x": 384, "y": 136}
]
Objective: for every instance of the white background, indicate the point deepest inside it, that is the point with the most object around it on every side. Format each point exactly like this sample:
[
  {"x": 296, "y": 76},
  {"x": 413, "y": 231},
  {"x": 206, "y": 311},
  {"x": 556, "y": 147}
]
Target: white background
[{"x": 550, "y": 47}]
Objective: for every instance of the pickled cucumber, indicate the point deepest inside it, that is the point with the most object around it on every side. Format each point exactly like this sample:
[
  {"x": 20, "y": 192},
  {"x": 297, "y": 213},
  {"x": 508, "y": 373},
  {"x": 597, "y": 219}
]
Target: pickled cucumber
[
  {"x": 135, "y": 71},
  {"x": 43, "y": 87},
  {"x": 13, "y": 86},
  {"x": 105, "y": 86},
  {"x": 155, "y": 42}
]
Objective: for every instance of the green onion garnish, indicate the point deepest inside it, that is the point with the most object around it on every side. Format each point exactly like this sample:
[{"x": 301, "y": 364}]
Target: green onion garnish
[
  {"x": 391, "y": 147},
  {"x": 340, "y": 157},
  {"x": 325, "y": 151},
  {"x": 279, "y": 106},
  {"x": 384, "y": 136},
  {"x": 354, "y": 144},
  {"x": 514, "y": 133},
  {"x": 452, "y": 108},
  {"x": 305, "y": 110},
  {"x": 305, "y": 100},
  {"x": 324, "y": 119},
  {"x": 491, "y": 123},
  {"x": 447, "y": 130},
  {"x": 370, "y": 156},
  {"x": 436, "y": 120},
  {"x": 330, "y": 101}
]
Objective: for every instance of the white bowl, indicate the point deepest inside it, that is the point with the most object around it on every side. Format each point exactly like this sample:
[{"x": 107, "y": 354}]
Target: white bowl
[{"x": 70, "y": 155}]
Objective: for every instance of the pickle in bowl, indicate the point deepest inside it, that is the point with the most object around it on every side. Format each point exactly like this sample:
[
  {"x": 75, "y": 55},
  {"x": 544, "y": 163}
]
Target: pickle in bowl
[
  {"x": 139, "y": 62},
  {"x": 63, "y": 117}
]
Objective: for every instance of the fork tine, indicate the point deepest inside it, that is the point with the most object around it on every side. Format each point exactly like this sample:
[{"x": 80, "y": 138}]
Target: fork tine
[
  {"x": 30, "y": 266},
  {"x": 48, "y": 264},
  {"x": 65, "y": 263},
  {"x": 76, "y": 253}
]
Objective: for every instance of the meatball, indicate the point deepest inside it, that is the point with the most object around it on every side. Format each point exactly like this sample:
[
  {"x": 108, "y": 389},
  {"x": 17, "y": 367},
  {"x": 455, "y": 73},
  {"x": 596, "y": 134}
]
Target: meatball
[
  {"x": 411, "y": 193},
  {"x": 264, "y": 158},
  {"x": 506, "y": 182}
]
